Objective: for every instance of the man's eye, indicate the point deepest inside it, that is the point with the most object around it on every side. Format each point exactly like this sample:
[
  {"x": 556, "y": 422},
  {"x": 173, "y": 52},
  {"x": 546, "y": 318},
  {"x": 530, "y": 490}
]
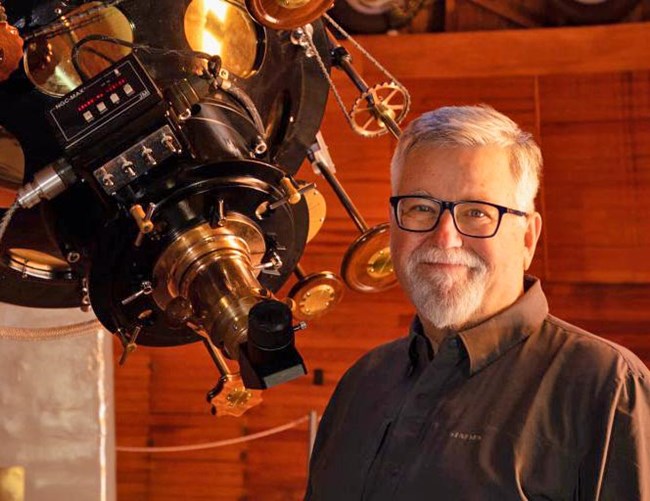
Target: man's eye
[
  {"x": 475, "y": 213},
  {"x": 422, "y": 208}
]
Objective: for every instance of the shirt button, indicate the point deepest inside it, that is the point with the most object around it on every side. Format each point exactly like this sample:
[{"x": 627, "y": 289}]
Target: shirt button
[{"x": 393, "y": 470}]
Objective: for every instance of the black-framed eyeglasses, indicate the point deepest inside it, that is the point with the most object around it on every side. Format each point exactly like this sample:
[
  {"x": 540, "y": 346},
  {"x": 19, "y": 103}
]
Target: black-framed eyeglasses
[{"x": 472, "y": 218}]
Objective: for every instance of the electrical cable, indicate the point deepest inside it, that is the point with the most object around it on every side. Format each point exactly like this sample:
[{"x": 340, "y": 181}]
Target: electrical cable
[
  {"x": 66, "y": 23},
  {"x": 6, "y": 218},
  {"x": 236, "y": 92},
  {"x": 74, "y": 55},
  {"x": 248, "y": 104}
]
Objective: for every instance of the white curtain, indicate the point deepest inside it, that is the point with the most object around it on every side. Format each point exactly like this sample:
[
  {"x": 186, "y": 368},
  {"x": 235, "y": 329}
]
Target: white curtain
[{"x": 56, "y": 403}]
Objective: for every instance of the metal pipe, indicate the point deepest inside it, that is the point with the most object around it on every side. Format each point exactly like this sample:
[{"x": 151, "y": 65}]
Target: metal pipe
[
  {"x": 313, "y": 429},
  {"x": 342, "y": 196},
  {"x": 299, "y": 272}
]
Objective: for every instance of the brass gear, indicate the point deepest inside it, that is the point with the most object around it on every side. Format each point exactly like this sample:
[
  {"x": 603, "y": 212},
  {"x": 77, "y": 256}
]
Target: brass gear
[{"x": 387, "y": 99}]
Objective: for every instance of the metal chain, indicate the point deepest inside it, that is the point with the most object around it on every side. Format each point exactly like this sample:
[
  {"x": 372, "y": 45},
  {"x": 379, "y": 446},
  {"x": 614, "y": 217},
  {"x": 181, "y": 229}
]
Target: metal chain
[
  {"x": 363, "y": 51},
  {"x": 327, "y": 76},
  {"x": 63, "y": 26}
]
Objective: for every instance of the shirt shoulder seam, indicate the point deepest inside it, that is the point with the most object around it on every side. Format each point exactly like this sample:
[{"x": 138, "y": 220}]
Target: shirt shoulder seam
[{"x": 621, "y": 352}]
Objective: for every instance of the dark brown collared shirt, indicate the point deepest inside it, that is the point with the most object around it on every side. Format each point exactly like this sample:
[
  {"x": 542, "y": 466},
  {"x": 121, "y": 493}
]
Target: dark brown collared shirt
[{"x": 523, "y": 406}]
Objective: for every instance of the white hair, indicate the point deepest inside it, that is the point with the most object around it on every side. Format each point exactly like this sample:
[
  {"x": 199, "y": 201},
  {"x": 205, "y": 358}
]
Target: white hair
[{"x": 482, "y": 125}]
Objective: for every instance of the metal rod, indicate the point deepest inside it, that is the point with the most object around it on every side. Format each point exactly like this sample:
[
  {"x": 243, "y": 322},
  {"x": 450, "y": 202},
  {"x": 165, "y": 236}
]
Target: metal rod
[
  {"x": 342, "y": 196},
  {"x": 343, "y": 60},
  {"x": 299, "y": 271},
  {"x": 313, "y": 428},
  {"x": 391, "y": 125},
  {"x": 216, "y": 356}
]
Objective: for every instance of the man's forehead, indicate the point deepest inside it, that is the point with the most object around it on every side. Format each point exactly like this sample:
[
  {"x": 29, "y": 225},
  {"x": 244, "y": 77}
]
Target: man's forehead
[
  {"x": 478, "y": 173},
  {"x": 480, "y": 163}
]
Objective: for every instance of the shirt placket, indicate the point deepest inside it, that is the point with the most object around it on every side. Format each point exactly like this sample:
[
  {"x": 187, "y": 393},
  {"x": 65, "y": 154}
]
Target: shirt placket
[{"x": 407, "y": 429}]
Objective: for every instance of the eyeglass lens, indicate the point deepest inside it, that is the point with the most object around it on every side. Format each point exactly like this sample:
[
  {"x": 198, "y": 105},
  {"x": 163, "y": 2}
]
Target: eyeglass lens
[{"x": 472, "y": 218}]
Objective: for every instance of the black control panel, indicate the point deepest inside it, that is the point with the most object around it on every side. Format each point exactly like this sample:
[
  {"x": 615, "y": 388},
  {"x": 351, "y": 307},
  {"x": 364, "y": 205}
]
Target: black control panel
[{"x": 104, "y": 104}]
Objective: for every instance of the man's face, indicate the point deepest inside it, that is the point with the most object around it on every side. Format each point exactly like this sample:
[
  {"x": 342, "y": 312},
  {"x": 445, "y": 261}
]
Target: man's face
[{"x": 454, "y": 280}]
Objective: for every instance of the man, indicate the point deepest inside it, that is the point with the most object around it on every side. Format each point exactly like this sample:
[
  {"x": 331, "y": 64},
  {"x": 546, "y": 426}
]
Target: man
[{"x": 489, "y": 397}]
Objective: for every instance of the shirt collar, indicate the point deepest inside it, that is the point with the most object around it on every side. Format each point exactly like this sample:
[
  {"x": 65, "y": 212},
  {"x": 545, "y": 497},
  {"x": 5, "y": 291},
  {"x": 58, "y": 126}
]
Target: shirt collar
[{"x": 487, "y": 341}]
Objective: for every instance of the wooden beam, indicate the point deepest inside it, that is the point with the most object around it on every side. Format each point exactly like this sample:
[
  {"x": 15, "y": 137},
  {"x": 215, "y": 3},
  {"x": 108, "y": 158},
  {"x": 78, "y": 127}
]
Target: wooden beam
[{"x": 547, "y": 51}]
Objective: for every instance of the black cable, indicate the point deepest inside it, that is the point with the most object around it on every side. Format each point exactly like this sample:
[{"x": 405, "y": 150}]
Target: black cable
[
  {"x": 76, "y": 49},
  {"x": 75, "y": 62}
]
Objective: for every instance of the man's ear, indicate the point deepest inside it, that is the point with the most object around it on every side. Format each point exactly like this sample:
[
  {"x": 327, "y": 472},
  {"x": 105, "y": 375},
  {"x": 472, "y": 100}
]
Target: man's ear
[{"x": 533, "y": 230}]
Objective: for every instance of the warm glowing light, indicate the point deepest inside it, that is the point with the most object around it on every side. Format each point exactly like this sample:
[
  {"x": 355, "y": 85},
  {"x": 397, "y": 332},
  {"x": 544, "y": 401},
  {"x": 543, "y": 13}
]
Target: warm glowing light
[
  {"x": 213, "y": 9},
  {"x": 210, "y": 44},
  {"x": 224, "y": 28},
  {"x": 217, "y": 8}
]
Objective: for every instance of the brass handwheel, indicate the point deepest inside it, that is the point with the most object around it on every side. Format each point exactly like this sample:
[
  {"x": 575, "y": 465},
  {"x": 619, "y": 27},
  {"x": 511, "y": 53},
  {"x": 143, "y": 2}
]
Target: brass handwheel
[
  {"x": 367, "y": 265},
  {"x": 387, "y": 100}
]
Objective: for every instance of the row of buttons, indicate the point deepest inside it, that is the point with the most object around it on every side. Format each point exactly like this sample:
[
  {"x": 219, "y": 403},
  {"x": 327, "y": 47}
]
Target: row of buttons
[{"x": 101, "y": 107}]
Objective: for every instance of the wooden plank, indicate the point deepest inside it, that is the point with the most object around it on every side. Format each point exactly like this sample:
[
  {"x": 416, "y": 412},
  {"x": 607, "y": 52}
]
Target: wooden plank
[
  {"x": 548, "y": 51},
  {"x": 595, "y": 133}
]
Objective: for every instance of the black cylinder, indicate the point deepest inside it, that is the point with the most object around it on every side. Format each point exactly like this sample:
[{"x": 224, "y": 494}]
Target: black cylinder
[{"x": 269, "y": 326}]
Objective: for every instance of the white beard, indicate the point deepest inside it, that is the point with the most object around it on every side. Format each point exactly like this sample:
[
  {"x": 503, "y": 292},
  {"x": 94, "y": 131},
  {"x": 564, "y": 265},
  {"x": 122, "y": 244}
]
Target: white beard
[{"x": 441, "y": 298}]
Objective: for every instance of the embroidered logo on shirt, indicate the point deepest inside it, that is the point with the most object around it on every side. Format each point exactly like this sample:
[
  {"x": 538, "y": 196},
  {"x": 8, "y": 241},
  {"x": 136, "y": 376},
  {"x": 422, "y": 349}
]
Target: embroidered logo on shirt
[{"x": 468, "y": 437}]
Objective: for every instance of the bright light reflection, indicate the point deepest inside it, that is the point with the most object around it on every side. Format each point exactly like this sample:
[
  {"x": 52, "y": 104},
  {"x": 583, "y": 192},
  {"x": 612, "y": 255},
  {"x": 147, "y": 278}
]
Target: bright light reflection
[
  {"x": 218, "y": 9},
  {"x": 61, "y": 78},
  {"x": 210, "y": 44}
]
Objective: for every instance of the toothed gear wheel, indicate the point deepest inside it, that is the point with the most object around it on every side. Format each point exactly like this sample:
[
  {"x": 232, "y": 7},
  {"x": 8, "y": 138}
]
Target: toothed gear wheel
[{"x": 390, "y": 99}]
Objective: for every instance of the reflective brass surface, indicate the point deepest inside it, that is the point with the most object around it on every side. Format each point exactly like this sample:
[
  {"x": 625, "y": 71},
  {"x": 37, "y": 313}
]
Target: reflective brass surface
[
  {"x": 12, "y": 167},
  {"x": 230, "y": 397},
  {"x": 215, "y": 269},
  {"x": 317, "y": 211},
  {"x": 12, "y": 483},
  {"x": 287, "y": 14},
  {"x": 292, "y": 4},
  {"x": 48, "y": 61},
  {"x": 367, "y": 266},
  {"x": 316, "y": 295},
  {"x": 223, "y": 28},
  {"x": 35, "y": 263},
  {"x": 223, "y": 288},
  {"x": 234, "y": 398},
  {"x": 380, "y": 265}
]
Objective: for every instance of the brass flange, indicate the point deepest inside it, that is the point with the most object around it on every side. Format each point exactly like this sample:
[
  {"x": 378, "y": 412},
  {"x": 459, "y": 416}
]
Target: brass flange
[{"x": 216, "y": 269}]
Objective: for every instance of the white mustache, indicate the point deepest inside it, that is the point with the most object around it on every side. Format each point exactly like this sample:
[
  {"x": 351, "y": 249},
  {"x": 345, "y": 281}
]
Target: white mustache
[{"x": 451, "y": 256}]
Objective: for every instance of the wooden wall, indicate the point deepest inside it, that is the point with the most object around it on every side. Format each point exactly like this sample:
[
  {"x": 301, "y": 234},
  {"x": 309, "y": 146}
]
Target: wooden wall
[{"x": 583, "y": 92}]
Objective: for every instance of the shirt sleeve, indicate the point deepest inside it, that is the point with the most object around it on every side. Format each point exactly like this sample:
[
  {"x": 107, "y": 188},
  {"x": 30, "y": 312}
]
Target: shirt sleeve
[{"x": 623, "y": 469}]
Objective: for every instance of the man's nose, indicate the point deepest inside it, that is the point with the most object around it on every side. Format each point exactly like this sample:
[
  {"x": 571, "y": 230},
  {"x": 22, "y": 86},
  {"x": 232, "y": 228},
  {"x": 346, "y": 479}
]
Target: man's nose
[{"x": 445, "y": 235}]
